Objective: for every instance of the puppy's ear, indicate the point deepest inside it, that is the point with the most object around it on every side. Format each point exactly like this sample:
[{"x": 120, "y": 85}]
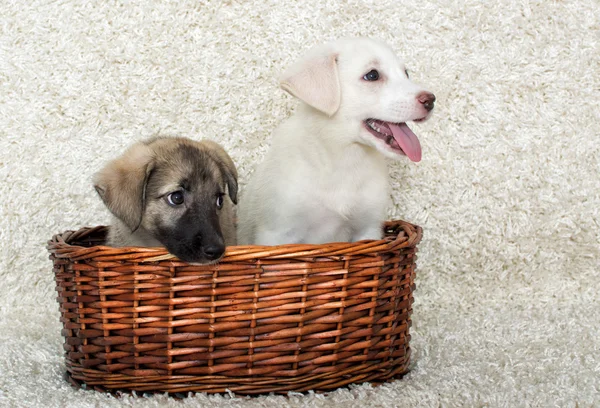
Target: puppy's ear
[
  {"x": 122, "y": 184},
  {"x": 314, "y": 80},
  {"x": 226, "y": 166}
]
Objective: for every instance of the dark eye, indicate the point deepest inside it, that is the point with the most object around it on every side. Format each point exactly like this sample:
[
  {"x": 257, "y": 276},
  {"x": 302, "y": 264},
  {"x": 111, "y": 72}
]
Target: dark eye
[
  {"x": 406, "y": 72},
  {"x": 220, "y": 202},
  {"x": 175, "y": 198},
  {"x": 372, "y": 75}
]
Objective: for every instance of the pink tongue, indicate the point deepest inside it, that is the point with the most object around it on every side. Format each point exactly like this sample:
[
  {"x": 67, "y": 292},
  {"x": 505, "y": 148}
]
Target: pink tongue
[{"x": 407, "y": 140}]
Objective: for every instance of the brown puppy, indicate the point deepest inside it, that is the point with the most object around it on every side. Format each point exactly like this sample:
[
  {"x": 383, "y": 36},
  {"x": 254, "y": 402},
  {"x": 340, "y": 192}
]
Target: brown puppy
[{"x": 172, "y": 192}]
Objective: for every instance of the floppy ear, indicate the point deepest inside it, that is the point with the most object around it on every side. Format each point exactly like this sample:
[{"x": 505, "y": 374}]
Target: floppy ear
[
  {"x": 122, "y": 184},
  {"x": 314, "y": 80},
  {"x": 226, "y": 166}
]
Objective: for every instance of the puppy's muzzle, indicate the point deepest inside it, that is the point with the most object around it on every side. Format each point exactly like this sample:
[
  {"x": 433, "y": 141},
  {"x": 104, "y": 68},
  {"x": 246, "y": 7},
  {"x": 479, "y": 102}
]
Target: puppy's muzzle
[
  {"x": 213, "y": 252},
  {"x": 203, "y": 244},
  {"x": 427, "y": 99}
]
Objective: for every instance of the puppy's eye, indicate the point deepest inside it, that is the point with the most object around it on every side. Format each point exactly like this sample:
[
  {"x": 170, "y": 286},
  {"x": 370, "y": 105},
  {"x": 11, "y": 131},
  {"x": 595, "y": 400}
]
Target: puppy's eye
[
  {"x": 175, "y": 198},
  {"x": 406, "y": 72},
  {"x": 220, "y": 202},
  {"x": 372, "y": 75}
]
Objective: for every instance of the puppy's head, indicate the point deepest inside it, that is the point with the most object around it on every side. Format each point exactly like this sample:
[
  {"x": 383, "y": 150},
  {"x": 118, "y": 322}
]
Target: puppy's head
[
  {"x": 363, "y": 84},
  {"x": 175, "y": 189}
]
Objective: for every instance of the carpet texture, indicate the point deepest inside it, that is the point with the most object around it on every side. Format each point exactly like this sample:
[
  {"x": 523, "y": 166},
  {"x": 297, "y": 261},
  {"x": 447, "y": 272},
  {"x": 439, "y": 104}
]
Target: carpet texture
[{"x": 507, "y": 309}]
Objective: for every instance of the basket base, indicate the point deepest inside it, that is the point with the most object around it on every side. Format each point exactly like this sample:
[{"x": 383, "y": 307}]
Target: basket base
[{"x": 181, "y": 386}]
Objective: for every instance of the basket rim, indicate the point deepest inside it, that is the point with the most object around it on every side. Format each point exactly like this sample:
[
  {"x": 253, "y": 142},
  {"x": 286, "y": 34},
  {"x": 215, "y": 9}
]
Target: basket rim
[{"x": 408, "y": 235}]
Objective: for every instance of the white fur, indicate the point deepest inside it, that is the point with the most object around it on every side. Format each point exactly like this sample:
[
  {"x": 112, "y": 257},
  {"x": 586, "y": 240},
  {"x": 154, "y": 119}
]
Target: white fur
[{"x": 325, "y": 177}]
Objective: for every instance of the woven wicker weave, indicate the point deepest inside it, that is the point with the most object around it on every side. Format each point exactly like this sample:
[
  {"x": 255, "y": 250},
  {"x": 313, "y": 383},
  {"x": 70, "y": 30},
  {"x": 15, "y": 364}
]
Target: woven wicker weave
[{"x": 265, "y": 319}]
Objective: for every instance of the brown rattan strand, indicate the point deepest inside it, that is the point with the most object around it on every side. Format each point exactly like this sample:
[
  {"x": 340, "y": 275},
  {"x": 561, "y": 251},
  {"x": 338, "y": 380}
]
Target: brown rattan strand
[{"x": 264, "y": 319}]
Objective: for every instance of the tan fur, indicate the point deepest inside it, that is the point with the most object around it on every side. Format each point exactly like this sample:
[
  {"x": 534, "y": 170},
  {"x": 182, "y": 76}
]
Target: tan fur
[{"x": 135, "y": 185}]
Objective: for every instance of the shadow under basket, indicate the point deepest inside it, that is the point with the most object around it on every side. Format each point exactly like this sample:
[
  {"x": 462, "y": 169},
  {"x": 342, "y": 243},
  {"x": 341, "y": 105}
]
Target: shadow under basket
[{"x": 264, "y": 319}]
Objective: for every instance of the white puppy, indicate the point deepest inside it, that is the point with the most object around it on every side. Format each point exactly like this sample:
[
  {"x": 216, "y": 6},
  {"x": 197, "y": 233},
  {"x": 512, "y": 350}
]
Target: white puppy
[{"x": 325, "y": 178}]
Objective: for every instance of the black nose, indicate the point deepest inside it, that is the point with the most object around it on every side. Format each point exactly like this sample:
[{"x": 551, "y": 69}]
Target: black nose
[
  {"x": 213, "y": 252},
  {"x": 427, "y": 99}
]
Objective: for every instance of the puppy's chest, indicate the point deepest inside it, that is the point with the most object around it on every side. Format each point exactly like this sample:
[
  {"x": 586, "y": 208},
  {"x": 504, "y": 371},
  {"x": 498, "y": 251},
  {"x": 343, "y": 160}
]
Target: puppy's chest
[{"x": 353, "y": 194}]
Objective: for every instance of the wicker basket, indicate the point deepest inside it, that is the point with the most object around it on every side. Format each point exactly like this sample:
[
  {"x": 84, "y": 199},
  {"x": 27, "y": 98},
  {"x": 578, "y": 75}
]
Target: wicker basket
[{"x": 265, "y": 319}]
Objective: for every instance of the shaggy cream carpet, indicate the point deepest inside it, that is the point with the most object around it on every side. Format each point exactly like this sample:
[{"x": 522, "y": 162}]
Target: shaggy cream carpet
[{"x": 507, "y": 310}]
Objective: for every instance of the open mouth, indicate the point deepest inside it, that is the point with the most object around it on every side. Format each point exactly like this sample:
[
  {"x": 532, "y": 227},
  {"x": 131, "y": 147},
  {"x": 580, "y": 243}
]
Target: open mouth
[{"x": 397, "y": 136}]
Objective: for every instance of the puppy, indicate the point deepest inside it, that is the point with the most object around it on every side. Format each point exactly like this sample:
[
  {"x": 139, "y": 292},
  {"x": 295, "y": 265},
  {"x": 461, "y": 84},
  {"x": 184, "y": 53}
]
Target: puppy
[
  {"x": 172, "y": 192},
  {"x": 325, "y": 177}
]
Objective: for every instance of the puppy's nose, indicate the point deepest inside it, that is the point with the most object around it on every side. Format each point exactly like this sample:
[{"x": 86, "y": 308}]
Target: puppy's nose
[
  {"x": 427, "y": 99},
  {"x": 213, "y": 252}
]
